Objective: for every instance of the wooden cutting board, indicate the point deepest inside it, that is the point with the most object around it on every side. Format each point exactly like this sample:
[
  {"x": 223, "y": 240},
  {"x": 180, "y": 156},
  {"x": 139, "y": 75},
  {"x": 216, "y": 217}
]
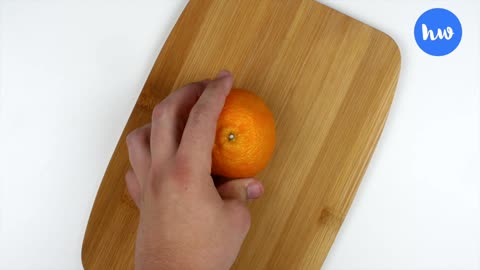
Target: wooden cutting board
[{"x": 329, "y": 81}]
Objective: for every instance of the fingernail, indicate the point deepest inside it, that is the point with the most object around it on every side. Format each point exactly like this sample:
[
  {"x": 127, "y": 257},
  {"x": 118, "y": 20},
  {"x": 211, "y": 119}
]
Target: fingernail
[
  {"x": 254, "y": 190},
  {"x": 223, "y": 74}
]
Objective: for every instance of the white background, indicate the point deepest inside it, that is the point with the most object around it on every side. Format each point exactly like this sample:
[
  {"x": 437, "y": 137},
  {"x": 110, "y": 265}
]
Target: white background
[{"x": 70, "y": 74}]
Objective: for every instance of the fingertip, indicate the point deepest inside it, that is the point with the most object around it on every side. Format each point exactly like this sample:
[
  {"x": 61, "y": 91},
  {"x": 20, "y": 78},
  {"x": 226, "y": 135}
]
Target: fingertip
[
  {"x": 255, "y": 190},
  {"x": 223, "y": 84},
  {"x": 223, "y": 81},
  {"x": 241, "y": 189},
  {"x": 223, "y": 74}
]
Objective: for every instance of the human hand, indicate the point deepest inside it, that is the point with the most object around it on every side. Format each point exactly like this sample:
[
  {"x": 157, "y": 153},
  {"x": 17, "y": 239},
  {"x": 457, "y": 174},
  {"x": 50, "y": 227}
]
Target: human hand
[{"x": 186, "y": 222}]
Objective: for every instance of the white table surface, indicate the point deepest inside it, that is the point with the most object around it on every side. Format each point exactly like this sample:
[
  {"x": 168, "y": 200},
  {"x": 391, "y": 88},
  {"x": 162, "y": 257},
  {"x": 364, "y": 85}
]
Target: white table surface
[{"x": 70, "y": 73}]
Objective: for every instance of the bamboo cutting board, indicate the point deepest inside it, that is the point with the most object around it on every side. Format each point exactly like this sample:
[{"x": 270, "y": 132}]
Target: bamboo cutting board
[{"x": 329, "y": 81}]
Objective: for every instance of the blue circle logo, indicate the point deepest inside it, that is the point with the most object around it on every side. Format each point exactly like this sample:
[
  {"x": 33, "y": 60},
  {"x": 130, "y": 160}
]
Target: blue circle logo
[{"x": 438, "y": 32}]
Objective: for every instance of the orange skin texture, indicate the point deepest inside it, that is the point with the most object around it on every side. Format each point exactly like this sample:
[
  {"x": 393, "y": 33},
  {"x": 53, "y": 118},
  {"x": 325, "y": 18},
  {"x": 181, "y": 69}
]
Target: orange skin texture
[{"x": 245, "y": 136}]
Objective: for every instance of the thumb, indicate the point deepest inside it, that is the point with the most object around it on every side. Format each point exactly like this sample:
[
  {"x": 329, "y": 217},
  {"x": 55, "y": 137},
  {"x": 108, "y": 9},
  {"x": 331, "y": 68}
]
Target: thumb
[{"x": 241, "y": 189}]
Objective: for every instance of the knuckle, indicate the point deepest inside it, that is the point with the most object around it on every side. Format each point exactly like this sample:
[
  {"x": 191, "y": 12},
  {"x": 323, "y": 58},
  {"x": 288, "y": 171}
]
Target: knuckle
[
  {"x": 132, "y": 137},
  {"x": 128, "y": 177},
  {"x": 161, "y": 109},
  {"x": 129, "y": 174},
  {"x": 200, "y": 112}
]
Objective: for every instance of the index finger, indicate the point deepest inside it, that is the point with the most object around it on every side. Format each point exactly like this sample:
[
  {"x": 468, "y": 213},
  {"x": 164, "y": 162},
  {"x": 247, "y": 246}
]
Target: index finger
[{"x": 199, "y": 133}]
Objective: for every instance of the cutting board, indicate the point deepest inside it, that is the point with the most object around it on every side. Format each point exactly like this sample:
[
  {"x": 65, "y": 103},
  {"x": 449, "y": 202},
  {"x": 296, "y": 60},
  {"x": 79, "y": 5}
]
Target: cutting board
[{"x": 329, "y": 80}]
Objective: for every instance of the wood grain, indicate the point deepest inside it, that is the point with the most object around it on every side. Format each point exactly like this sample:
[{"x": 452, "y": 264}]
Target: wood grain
[{"x": 329, "y": 81}]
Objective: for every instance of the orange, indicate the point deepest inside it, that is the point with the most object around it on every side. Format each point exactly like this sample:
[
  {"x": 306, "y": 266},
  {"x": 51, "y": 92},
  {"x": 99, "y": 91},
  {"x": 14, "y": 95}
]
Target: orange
[{"x": 245, "y": 136}]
